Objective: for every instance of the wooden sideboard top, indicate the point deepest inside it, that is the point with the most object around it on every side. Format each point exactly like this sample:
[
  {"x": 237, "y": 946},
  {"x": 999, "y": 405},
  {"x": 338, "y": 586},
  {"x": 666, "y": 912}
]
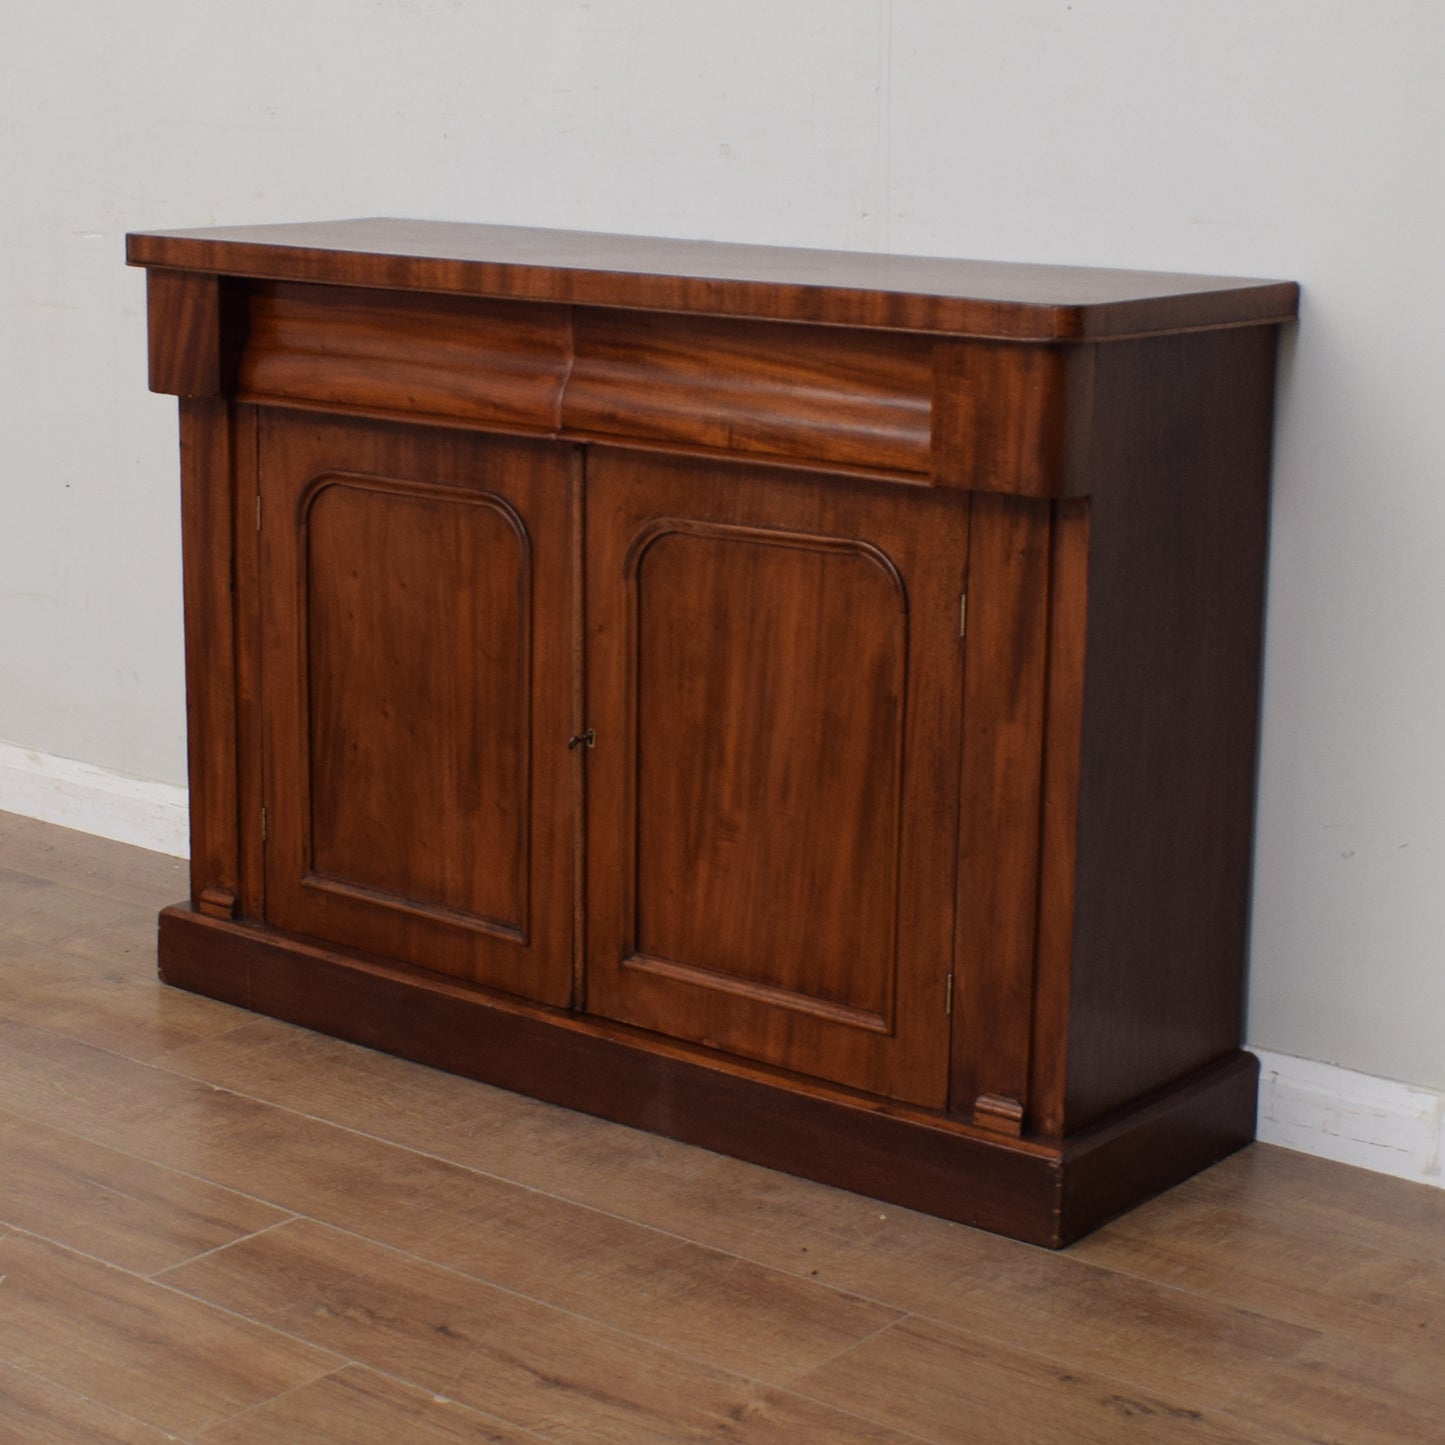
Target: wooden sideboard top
[{"x": 990, "y": 299}]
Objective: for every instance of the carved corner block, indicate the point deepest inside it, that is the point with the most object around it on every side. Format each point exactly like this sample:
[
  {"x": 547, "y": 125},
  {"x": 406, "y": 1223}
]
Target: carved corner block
[
  {"x": 1000, "y": 1114},
  {"x": 216, "y": 902}
]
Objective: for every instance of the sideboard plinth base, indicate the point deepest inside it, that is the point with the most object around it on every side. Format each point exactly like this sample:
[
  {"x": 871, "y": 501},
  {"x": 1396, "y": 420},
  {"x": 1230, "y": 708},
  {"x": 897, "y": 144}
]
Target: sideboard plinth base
[{"x": 1042, "y": 1192}]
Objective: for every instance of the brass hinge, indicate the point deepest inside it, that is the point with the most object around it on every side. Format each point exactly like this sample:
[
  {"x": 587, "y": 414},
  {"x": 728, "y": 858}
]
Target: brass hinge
[
  {"x": 948, "y": 995},
  {"x": 962, "y": 612}
]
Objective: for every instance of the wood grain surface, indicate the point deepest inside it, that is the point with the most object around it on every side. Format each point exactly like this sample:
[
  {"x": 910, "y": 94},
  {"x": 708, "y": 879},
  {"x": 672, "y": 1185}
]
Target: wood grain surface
[
  {"x": 625, "y": 738},
  {"x": 415, "y": 616},
  {"x": 764, "y": 658},
  {"x": 502, "y": 365},
  {"x": 1169, "y": 716},
  {"x": 816, "y": 394},
  {"x": 209, "y": 562},
  {"x": 976, "y": 298},
  {"x": 261, "y": 1236}
]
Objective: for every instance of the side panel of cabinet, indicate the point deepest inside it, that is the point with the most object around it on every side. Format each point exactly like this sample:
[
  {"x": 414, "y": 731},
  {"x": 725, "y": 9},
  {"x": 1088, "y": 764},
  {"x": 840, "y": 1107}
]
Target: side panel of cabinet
[
  {"x": 418, "y": 695},
  {"x": 774, "y": 677}
]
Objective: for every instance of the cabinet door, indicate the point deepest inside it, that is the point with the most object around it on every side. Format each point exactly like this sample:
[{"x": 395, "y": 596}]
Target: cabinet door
[
  {"x": 775, "y": 678},
  {"x": 418, "y": 695}
]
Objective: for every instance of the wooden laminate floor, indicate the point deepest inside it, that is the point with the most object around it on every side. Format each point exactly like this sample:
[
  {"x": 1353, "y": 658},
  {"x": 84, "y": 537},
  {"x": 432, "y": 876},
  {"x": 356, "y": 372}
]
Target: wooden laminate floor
[{"x": 218, "y": 1228}]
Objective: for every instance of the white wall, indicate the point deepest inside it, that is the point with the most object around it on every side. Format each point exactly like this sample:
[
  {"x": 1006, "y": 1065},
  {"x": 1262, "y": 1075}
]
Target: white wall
[{"x": 1297, "y": 138}]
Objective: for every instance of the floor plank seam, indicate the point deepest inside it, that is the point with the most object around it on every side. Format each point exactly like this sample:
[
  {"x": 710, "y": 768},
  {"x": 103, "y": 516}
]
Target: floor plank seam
[
  {"x": 1184, "y": 1292},
  {"x": 1062, "y": 1260},
  {"x": 300, "y": 1214},
  {"x": 441, "y": 1266},
  {"x": 91, "y": 1400},
  {"x": 565, "y": 1199},
  {"x": 1314, "y": 1331},
  {"x": 219, "y": 1248},
  {"x": 792, "y": 1386},
  {"x": 1124, "y": 1272},
  {"x": 1358, "y": 1365},
  {"x": 101, "y": 1143},
  {"x": 268, "y": 1402},
  {"x": 343, "y": 1361},
  {"x": 849, "y": 1348},
  {"x": 732, "y": 1375},
  {"x": 587, "y": 1319},
  {"x": 434, "y": 1157},
  {"x": 1104, "y": 1375},
  {"x": 1126, "y": 1390},
  {"x": 181, "y": 1294},
  {"x": 496, "y": 1422},
  {"x": 510, "y": 1183}
]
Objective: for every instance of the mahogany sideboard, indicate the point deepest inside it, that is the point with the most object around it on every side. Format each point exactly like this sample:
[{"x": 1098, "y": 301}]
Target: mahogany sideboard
[{"x": 801, "y": 703}]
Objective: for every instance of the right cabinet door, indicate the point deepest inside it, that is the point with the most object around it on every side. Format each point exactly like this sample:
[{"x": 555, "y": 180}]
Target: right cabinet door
[{"x": 775, "y": 682}]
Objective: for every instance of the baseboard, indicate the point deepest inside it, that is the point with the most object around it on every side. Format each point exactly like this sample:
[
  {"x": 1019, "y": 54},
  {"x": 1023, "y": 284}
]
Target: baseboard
[
  {"x": 94, "y": 800},
  {"x": 1353, "y": 1118}
]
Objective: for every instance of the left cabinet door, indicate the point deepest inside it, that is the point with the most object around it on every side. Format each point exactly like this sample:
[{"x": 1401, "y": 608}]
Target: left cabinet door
[{"x": 417, "y": 695}]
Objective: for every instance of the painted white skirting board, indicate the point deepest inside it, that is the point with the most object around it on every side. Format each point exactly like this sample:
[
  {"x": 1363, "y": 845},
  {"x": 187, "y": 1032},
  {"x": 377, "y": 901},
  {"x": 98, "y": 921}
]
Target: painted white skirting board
[
  {"x": 94, "y": 800},
  {"x": 1354, "y": 1118},
  {"x": 1315, "y": 1108}
]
